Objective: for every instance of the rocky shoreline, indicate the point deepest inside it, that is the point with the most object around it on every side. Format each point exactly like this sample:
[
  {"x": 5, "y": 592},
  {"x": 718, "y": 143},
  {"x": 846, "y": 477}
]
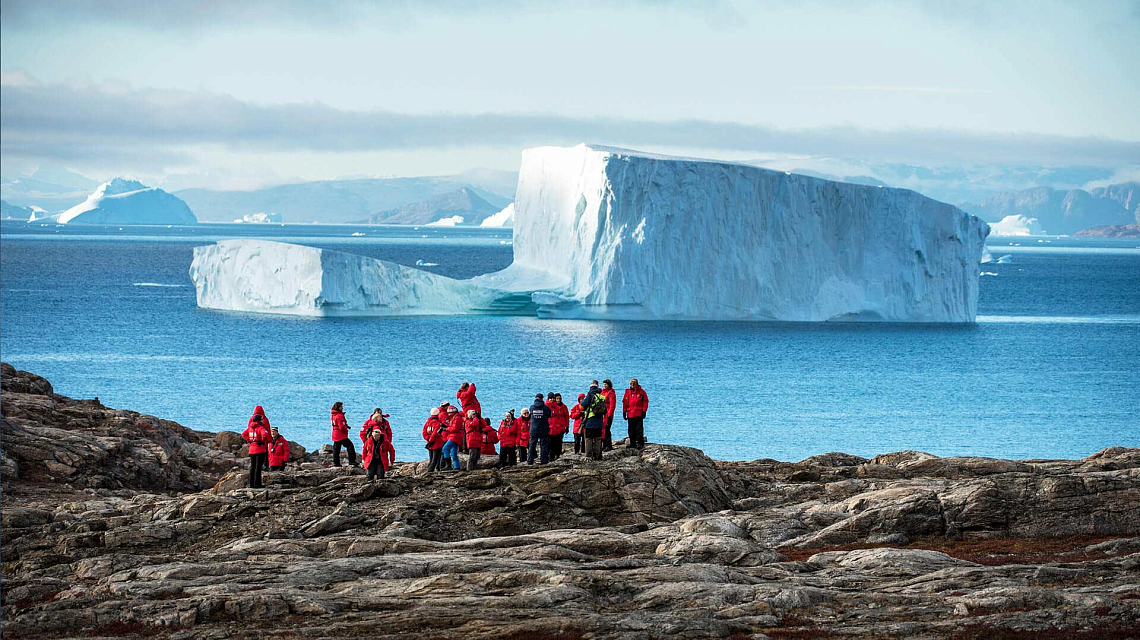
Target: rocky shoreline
[{"x": 120, "y": 524}]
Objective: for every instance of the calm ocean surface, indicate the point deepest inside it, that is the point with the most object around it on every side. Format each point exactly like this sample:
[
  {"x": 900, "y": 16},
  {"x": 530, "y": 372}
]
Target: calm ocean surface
[{"x": 1052, "y": 368}]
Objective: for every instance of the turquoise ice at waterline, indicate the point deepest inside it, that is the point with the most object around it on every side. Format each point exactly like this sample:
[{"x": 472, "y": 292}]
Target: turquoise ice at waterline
[{"x": 1050, "y": 369}]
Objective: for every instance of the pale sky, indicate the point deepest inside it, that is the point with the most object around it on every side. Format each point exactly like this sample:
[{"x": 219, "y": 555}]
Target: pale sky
[{"x": 259, "y": 91}]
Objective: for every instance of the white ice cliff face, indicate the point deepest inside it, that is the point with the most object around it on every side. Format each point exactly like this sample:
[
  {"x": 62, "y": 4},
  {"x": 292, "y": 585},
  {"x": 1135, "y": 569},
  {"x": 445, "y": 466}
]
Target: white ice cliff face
[
  {"x": 635, "y": 235},
  {"x": 608, "y": 233},
  {"x": 275, "y": 277}
]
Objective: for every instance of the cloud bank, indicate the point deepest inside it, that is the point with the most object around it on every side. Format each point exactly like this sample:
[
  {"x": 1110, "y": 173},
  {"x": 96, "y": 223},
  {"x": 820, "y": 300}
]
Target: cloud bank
[{"x": 70, "y": 122}]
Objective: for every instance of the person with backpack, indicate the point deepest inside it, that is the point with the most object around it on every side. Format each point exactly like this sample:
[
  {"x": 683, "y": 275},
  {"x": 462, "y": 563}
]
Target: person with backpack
[
  {"x": 257, "y": 437},
  {"x": 340, "y": 435},
  {"x": 373, "y": 455},
  {"x": 576, "y": 416},
  {"x": 508, "y": 440},
  {"x": 522, "y": 432},
  {"x": 277, "y": 450},
  {"x": 634, "y": 405},
  {"x": 434, "y": 438},
  {"x": 611, "y": 404},
  {"x": 539, "y": 431},
  {"x": 593, "y": 420}
]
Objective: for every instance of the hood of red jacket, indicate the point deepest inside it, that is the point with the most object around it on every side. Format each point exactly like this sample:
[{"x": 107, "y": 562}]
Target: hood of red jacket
[{"x": 258, "y": 410}]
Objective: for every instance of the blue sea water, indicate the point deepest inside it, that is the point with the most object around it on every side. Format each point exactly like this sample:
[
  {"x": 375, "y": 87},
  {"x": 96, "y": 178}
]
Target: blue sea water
[{"x": 1050, "y": 370}]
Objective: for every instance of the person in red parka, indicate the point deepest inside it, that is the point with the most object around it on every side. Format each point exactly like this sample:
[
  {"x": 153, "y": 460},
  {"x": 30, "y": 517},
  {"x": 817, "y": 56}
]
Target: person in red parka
[
  {"x": 522, "y": 432},
  {"x": 559, "y": 424},
  {"x": 277, "y": 450},
  {"x": 379, "y": 420},
  {"x": 490, "y": 440},
  {"x": 634, "y": 406},
  {"x": 611, "y": 405},
  {"x": 454, "y": 433},
  {"x": 373, "y": 455},
  {"x": 576, "y": 416},
  {"x": 467, "y": 399},
  {"x": 434, "y": 437},
  {"x": 258, "y": 437},
  {"x": 508, "y": 440},
  {"x": 340, "y": 435},
  {"x": 473, "y": 428}
]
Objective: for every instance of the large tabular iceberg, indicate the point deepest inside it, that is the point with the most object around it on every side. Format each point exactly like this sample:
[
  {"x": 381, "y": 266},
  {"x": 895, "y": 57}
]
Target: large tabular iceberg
[{"x": 610, "y": 233}]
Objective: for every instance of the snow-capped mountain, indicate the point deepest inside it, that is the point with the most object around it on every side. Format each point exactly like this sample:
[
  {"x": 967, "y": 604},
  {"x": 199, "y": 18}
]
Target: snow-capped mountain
[{"x": 127, "y": 201}]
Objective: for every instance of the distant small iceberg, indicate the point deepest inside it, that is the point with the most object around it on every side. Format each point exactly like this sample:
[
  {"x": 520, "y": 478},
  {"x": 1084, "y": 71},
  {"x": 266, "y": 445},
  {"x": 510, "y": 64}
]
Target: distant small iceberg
[
  {"x": 1006, "y": 259},
  {"x": 421, "y": 263},
  {"x": 357, "y": 234}
]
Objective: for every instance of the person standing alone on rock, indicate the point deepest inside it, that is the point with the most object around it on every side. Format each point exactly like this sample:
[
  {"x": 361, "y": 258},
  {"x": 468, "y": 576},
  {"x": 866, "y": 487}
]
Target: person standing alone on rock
[
  {"x": 278, "y": 450},
  {"x": 539, "y": 430},
  {"x": 340, "y": 435},
  {"x": 257, "y": 437},
  {"x": 373, "y": 455},
  {"x": 611, "y": 405},
  {"x": 634, "y": 405},
  {"x": 593, "y": 420},
  {"x": 508, "y": 440},
  {"x": 434, "y": 437}
]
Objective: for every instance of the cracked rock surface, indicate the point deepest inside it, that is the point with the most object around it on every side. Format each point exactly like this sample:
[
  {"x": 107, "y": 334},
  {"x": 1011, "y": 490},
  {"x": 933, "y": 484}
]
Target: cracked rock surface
[{"x": 665, "y": 543}]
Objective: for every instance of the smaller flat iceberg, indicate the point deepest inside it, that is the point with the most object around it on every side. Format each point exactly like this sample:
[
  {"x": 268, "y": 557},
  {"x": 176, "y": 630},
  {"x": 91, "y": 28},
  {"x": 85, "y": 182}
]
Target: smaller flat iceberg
[{"x": 275, "y": 277}]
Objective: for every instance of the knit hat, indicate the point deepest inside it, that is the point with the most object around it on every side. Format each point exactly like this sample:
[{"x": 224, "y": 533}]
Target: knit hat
[
  {"x": 451, "y": 409},
  {"x": 435, "y": 411}
]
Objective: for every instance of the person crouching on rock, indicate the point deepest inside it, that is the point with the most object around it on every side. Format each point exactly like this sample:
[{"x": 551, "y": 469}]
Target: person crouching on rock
[
  {"x": 278, "y": 450},
  {"x": 473, "y": 427},
  {"x": 340, "y": 435},
  {"x": 576, "y": 415},
  {"x": 522, "y": 433},
  {"x": 373, "y": 455},
  {"x": 434, "y": 437},
  {"x": 454, "y": 436},
  {"x": 257, "y": 437},
  {"x": 508, "y": 440}
]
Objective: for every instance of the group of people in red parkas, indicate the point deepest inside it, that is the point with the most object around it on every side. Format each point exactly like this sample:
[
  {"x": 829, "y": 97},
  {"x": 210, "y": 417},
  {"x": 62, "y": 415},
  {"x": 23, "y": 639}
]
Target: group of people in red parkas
[{"x": 535, "y": 435}]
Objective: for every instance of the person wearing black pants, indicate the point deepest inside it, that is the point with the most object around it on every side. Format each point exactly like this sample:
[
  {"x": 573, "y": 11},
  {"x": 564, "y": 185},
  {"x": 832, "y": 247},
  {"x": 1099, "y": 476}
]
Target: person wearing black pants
[
  {"x": 374, "y": 455},
  {"x": 539, "y": 430},
  {"x": 637, "y": 433},
  {"x": 340, "y": 435},
  {"x": 257, "y": 463},
  {"x": 349, "y": 447}
]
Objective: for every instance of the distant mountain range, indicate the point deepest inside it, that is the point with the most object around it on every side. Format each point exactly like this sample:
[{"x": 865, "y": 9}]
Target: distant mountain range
[
  {"x": 462, "y": 202},
  {"x": 335, "y": 201},
  {"x": 1111, "y": 231},
  {"x": 1065, "y": 211}
]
